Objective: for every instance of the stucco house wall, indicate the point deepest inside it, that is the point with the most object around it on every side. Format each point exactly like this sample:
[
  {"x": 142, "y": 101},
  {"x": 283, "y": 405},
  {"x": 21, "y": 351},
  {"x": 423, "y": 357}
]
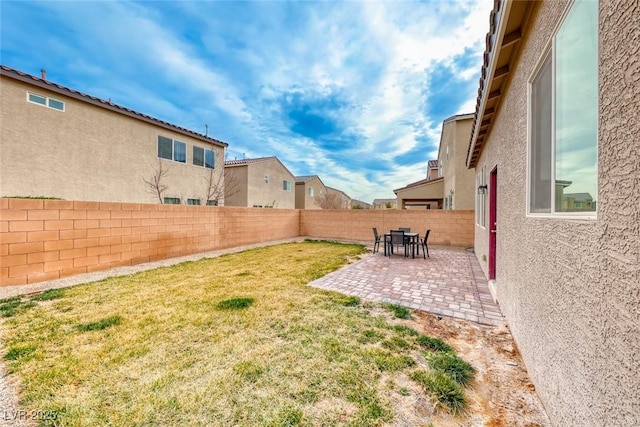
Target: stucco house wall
[
  {"x": 89, "y": 153},
  {"x": 250, "y": 188},
  {"x": 459, "y": 181},
  {"x": 570, "y": 288},
  {"x": 303, "y": 199}
]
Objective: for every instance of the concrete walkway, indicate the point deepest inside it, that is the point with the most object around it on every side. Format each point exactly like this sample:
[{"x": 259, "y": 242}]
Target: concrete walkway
[{"x": 450, "y": 283}]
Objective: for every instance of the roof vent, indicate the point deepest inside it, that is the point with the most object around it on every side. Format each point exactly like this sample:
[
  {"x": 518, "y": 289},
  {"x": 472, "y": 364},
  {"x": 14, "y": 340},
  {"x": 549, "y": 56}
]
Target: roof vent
[{"x": 44, "y": 74}]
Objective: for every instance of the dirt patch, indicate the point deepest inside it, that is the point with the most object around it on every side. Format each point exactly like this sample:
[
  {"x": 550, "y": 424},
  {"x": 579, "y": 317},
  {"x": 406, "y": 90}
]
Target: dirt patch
[{"x": 501, "y": 394}]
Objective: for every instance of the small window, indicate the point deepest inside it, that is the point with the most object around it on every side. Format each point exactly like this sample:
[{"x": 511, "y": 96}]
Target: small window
[
  {"x": 203, "y": 157},
  {"x": 198, "y": 156},
  {"x": 193, "y": 202},
  {"x": 179, "y": 151},
  {"x": 172, "y": 200},
  {"x": 209, "y": 159},
  {"x": 56, "y": 105},
  {"x": 45, "y": 101},
  {"x": 310, "y": 191},
  {"x": 266, "y": 179},
  {"x": 212, "y": 203},
  {"x": 165, "y": 148},
  {"x": 37, "y": 99},
  {"x": 172, "y": 149},
  {"x": 286, "y": 185}
]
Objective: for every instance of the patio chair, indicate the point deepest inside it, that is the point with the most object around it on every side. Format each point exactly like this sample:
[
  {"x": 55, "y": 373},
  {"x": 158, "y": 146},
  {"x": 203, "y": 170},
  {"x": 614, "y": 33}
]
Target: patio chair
[
  {"x": 397, "y": 239},
  {"x": 376, "y": 243},
  {"x": 425, "y": 246}
]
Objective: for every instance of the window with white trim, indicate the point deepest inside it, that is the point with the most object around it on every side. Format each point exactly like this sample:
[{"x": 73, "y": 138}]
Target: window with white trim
[
  {"x": 203, "y": 157},
  {"x": 172, "y": 149},
  {"x": 45, "y": 101},
  {"x": 310, "y": 191},
  {"x": 212, "y": 202},
  {"x": 563, "y": 118},
  {"x": 193, "y": 202},
  {"x": 286, "y": 185}
]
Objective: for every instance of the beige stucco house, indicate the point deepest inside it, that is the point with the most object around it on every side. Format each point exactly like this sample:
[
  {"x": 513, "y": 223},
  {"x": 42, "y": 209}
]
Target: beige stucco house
[
  {"x": 263, "y": 182},
  {"x": 307, "y": 187},
  {"x": 449, "y": 183},
  {"x": 556, "y": 153},
  {"x": 384, "y": 203},
  {"x": 459, "y": 181},
  {"x": 337, "y": 199},
  {"x": 359, "y": 204},
  {"x": 58, "y": 142}
]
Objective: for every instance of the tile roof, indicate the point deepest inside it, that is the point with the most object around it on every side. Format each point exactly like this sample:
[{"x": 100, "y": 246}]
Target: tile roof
[
  {"x": 247, "y": 161},
  {"x": 418, "y": 183},
  {"x": 433, "y": 164},
  {"x": 54, "y": 87},
  {"x": 304, "y": 178},
  {"x": 506, "y": 25}
]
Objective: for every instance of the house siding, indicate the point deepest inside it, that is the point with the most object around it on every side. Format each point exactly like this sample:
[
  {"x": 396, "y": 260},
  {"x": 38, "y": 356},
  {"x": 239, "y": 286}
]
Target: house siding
[
  {"x": 458, "y": 180},
  {"x": 87, "y": 152},
  {"x": 570, "y": 288}
]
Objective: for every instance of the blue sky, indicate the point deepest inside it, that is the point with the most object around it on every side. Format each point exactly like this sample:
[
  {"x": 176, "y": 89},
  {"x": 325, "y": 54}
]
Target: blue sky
[{"x": 354, "y": 92}]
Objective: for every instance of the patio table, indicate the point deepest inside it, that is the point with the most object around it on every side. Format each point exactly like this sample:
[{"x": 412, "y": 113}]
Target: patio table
[{"x": 414, "y": 238}]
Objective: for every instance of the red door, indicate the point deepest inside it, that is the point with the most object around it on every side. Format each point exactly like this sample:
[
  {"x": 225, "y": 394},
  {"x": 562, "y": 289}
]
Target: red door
[{"x": 493, "y": 193}]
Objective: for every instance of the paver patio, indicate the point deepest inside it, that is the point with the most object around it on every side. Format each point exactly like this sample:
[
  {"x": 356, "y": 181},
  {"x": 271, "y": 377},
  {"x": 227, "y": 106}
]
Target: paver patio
[{"x": 450, "y": 283}]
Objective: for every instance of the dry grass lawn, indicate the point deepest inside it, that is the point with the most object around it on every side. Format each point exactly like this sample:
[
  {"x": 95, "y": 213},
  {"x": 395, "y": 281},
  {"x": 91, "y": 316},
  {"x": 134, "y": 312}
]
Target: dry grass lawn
[{"x": 235, "y": 340}]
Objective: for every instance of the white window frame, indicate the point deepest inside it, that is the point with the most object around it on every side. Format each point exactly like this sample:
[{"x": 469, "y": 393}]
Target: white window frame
[
  {"x": 204, "y": 157},
  {"x": 47, "y": 101},
  {"x": 173, "y": 150},
  {"x": 310, "y": 191},
  {"x": 193, "y": 202},
  {"x": 286, "y": 185},
  {"x": 549, "y": 50}
]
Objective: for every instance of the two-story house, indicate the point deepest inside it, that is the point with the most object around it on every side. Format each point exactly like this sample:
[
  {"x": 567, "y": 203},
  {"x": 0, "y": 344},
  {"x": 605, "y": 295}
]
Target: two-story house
[
  {"x": 58, "y": 142},
  {"x": 263, "y": 182},
  {"x": 307, "y": 188}
]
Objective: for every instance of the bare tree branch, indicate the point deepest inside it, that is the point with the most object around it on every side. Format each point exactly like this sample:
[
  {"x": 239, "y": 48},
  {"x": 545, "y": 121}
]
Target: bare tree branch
[
  {"x": 329, "y": 200},
  {"x": 218, "y": 186},
  {"x": 155, "y": 183}
]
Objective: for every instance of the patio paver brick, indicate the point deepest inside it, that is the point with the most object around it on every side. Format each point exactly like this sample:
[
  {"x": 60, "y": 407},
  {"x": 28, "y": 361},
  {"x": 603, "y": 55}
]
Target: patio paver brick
[{"x": 450, "y": 283}]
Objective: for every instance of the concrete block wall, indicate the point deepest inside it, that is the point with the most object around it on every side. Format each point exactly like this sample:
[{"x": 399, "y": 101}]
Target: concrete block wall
[
  {"x": 49, "y": 239},
  {"x": 448, "y": 227}
]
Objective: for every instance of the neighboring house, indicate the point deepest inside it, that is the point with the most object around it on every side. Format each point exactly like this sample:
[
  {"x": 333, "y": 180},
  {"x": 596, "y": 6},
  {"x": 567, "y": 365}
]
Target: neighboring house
[
  {"x": 384, "y": 204},
  {"x": 423, "y": 194},
  {"x": 432, "y": 170},
  {"x": 336, "y": 199},
  {"x": 459, "y": 189},
  {"x": 359, "y": 204},
  {"x": 58, "y": 142},
  {"x": 260, "y": 183},
  {"x": 555, "y": 148},
  {"x": 449, "y": 183},
  {"x": 307, "y": 188}
]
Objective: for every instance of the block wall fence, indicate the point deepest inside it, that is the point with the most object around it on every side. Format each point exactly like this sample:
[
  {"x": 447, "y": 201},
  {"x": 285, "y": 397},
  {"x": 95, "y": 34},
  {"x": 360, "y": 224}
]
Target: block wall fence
[{"x": 50, "y": 239}]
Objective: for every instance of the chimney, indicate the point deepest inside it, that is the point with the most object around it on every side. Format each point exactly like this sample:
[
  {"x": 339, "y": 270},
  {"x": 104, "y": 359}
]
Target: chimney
[{"x": 44, "y": 74}]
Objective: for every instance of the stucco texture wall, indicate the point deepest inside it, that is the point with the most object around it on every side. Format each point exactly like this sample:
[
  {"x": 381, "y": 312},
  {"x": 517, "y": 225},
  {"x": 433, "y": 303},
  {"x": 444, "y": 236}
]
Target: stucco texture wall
[
  {"x": 87, "y": 152},
  {"x": 570, "y": 289}
]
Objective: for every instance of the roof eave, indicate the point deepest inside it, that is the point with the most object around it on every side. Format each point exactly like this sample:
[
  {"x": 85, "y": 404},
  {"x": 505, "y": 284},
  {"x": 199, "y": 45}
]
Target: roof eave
[
  {"x": 70, "y": 93},
  {"x": 502, "y": 45}
]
